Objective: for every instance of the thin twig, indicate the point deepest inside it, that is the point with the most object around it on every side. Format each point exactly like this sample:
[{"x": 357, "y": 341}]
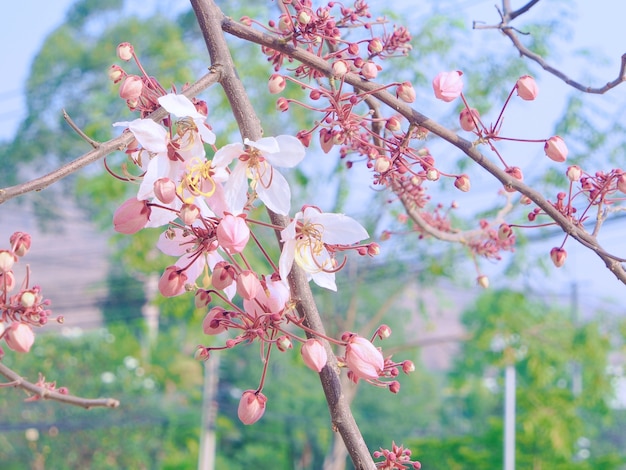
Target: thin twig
[
  {"x": 45, "y": 394},
  {"x": 95, "y": 144}
]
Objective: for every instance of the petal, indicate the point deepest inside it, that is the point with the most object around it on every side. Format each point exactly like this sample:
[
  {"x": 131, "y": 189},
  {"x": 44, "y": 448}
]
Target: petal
[
  {"x": 277, "y": 197},
  {"x": 286, "y": 258},
  {"x": 325, "y": 280},
  {"x": 265, "y": 145},
  {"x": 159, "y": 216},
  {"x": 171, "y": 246},
  {"x": 339, "y": 229},
  {"x": 157, "y": 168},
  {"x": 290, "y": 154},
  {"x": 180, "y": 106},
  {"x": 236, "y": 189},
  {"x": 151, "y": 136},
  {"x": 207, "y": 135},
  {"x": 224, "y": 156}
]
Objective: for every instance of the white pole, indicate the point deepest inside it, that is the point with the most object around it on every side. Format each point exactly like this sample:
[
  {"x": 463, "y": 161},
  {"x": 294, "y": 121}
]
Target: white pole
[{"x": 509, "y": 418}]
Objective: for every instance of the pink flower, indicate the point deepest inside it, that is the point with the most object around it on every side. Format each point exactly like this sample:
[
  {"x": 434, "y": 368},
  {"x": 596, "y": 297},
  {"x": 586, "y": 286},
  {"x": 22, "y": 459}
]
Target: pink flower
[
  {"x": 131, "y": 88},
  {"x": 212, "y": 323},
  {"x": 363, "y": 358},
  {"x": 314, "y": 354},
  {"x": 248, "y": 285},
  {"x": 468, "y": 119},
  {"x": 276, "y": 83},
  {"x": 462, "y": 182},
  {"x": 223, "y": 275},
  {"x": 527, "y": 88},
  {"x": 406, "y": 92},
  {"x": 19, "y": 337},
  {"x": 233, "y": 233},
  {"x": 172, "y": 282},
  {"x": 448, "y": 85},
  {"x": 558, "y": 256},
  {"x": 165, "y": 190},
  {"x": 251, "y": 406},
  {"x": 556, "y": 149},
  {"x": 7, "y": 260},
  {"x": 131, "y": 216},
  {"x": 20, "y": 242}
]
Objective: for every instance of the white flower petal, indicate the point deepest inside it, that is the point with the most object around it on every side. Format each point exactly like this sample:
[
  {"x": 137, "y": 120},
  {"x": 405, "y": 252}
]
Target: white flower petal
[
  {"x": 224, "y": 156},
  {"x": 236, "y": 189},
  {"x": 286, "y": 258},
  {"x": 207, "y": 135},
  {"x": 291, "y": 152},
  {"x": 265, "y": 145},
  {"x": 180, "y": 106},
  {"x": 277, "y": 197},
  {"x": 339, "y": 229},
  {"x": 151, "y": 136},
  {"x": 325, "y": 280}
]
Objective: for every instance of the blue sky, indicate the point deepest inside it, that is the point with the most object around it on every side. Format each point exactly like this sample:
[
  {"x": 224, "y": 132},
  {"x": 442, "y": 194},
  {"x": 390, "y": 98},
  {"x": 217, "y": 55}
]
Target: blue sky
[{"x": 598, "y": 27}]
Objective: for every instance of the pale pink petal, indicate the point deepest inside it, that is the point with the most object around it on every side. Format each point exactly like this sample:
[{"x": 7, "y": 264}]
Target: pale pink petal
[
  {"x": 277, "y": 197},
  {"x": 286, "y": 257},
  {"x": 236, "y": 189},
  {"x": 339, "y": 229},
  {"x": 180, "y": 106},
  {"x": 152, "y": 136},
  {"x": 266, "y": 145},
  {"x": 290, "y": 154},
  {"x": 224, "y": 156},
  {"x": 325, "y": 280}
]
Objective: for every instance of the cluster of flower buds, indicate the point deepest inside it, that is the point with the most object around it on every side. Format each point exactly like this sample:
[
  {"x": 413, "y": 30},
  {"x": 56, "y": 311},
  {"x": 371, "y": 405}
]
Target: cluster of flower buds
[
  {"x": 22, "y": 310},
  {"x": 398, "y": 458}
]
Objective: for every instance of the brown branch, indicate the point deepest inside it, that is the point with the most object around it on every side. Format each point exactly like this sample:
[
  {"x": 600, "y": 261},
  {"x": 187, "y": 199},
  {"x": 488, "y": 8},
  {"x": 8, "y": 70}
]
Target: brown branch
[
  {"x": 507, "y": 16},
  {"x": 19, "y": 382},
  {"x": 415, "y": 117},
  {"x": 102, "y": 150},
  {"x": 211, "y": 19}
]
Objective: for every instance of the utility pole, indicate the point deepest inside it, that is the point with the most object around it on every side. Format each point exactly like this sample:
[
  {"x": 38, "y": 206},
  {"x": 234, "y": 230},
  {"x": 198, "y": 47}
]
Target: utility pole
[
  {"x": 206, "y": 457},
  {"x": 509, "y": 417}
]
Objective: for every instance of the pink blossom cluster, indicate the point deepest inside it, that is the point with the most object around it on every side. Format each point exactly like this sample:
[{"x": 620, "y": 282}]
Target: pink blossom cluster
[
  {"x": 202, "y": 199},
  {"x": 25, "y": 308}
]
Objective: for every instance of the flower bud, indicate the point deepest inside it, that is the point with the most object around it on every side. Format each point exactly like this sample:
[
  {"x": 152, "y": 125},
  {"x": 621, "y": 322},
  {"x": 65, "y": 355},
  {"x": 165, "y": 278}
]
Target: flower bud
[
  {"x": 394, "y": 387},
  {"x": 314, "y": 354},
  {"x": 483, "y": 281},
  {"x": 165, "y": 190},
  {"x": 304, "y": 18},
  {"x": 20, "y": 242},
  {"x": 282, "y": 104},
  {"x": 251, "y": 406},
  {"x": 406, "y": 92},
  {"x": 116, "y": 73},
  {"x": 212, "y": 323},
  {"x": 462, "y": 183},
  {"x": 363, "y": 359},
  {"x": 621, "y": 182},
  {"x": 373, "y": 249},
  {"x": 283, "y": 343},
  {"x": 369, "y": 70},
  {"x": 574, "y": 173},
  {"x": 504, "y": 231},
  {"x": 340, "y": 68},
  {"x": 7, "y": 281},
  {"x": 131, "y": 216},
  {"x": 276, "y": 84},
  {"x": 188, "y": 213},
  {"x": 556, "y": 149},
  {"x": 393, "y": 124},
  {"x": 448, "y": 85},
  {"x": 526, "y": 88},
  {"x": 374, "y": 46},
  {"x": 382, "y": 164},
  {"x": 19, "y": 337},
  {"x": 408, "y": 367},
  {"x": 201, "y": 354},
  {"x": 432, "y": 174},
  {"x": 326, "y": 140},
  {"x": 172, "y": 282},
  {"x": 28, "y": 299},
  {"x": 248, "y": 285},
  {"x": 131, "y": 88},
  {"x": 223, "y": 275},
  {"x": 468, "y": 119},
  {"x": 125, "y": 51},
  {"x": 558, "y": 256},
  {"x": 383, "y": 332},
  {"x": 7, "y": 260},
  {"x": 233, "y": 233},
  {"x": 201, "y": 298}
]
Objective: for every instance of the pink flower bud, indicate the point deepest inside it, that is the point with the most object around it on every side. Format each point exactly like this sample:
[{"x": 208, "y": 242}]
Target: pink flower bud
[
  {"x": 282, "y": 104},
  {"x": 165, "y": 190},
  {"x": 223, "y": 275},
  {"x": 526, "y": 88},
  {"x": 304, "y": 18},
  {"x": 172, "y": 282},
  {"x": 408, "y": 367},
  {"x": 188, "y": 213},
  {"x": 304, "y": 137},
  {"x": 373, "y": 249},
  {"x": 406, "y": 92},
  {"x": 116, "y": 73},
  {"x": 462, "y": 183},
  {"x": 393, "y": 124},
  {"x": 394, "y": 387},
  {"x": 574, "y": 173},
  {"x": 7, "y": 260},
  {"x": 131, "y": 88},
  {"x": 382, "y": 164},
  {"x": 556, "y": 149},
  {"x": 383, "y": 332},
  {"x": 276, "y": 84},
  {"x": 283, "y": 343},
  {"x": 448, "y": 85},
  {"x": 483, "y": 281},
  {"x": 131, "y": 216},
  {"x": 201, "y": 354},
  {"x": 213, "y": 321},
  {"x": 468, "y": 119},
  {"x": 20, "y": 242},
  {"x": 558, "y": 256},
  {"x": 248, "y": 285},
  {"x": 621, "y": 182},
  {"x": 340, "y": 68},
  {"x": 369, "y": 70},
  {"x": 7, "y": 281},
  {"x": 504, "y": 231},
  {"x": 28, "y": 299},
  {"x": 201, "y": 298},
  {"x": 314, "y": 354},
  {"x": 251, "y": 406},
  {"x": 363, "y": 359},
  {"x": 432, "y": 174},
  {"x": 19, "y": 337},
  {"x": 233, "y": 233},
  {"x": 125, "y": 51},
  {"x": 326, "y": 140},
  {"x": 374, "y": 46}
]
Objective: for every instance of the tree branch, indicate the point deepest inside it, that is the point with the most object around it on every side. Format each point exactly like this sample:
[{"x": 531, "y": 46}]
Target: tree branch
[
  {"x": 211, "y": 19},
  {"x": 415, "y": 117},
  {"x": 507, "y": 16},
  {"x": 46, "y": 394},
  {"x": 102, "y": 150}
]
